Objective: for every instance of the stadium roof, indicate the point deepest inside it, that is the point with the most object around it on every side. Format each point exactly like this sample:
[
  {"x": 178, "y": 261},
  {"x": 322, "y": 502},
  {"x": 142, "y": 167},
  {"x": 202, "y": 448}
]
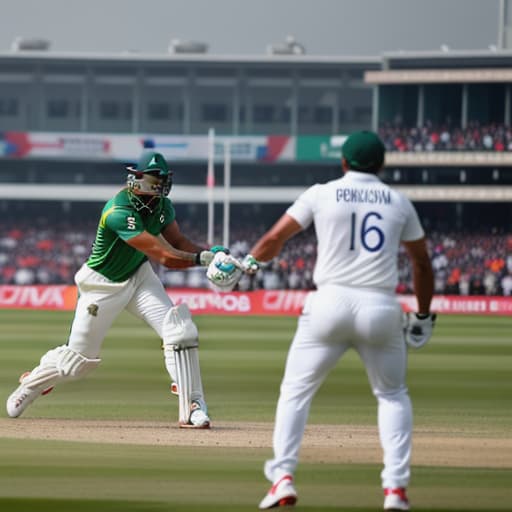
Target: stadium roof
[
  {"x": 432, "y": 76},
  {"x": 454, "y": 59},
  {"x": 135, "y": 57}
]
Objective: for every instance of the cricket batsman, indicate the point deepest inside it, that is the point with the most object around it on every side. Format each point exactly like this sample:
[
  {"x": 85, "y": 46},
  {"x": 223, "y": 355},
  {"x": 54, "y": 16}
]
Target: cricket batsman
[{"x": 136, "y": 225}]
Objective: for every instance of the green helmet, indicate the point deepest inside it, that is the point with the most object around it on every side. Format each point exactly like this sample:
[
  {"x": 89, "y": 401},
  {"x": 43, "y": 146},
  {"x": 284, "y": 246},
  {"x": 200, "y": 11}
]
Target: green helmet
[{"x": 151, "y": 179}]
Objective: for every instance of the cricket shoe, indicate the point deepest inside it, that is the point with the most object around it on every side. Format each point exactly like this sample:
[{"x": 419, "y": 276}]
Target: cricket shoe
[
  {"x": 281, "y": 494},
  {"x": 22, "y": 397},
  {"x": 198, "y": 417},
  {"x": 395, "y": 499}
]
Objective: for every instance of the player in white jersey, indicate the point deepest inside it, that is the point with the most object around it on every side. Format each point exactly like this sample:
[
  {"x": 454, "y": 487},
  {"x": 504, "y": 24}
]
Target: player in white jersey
[{"x": 360, "y": 223}]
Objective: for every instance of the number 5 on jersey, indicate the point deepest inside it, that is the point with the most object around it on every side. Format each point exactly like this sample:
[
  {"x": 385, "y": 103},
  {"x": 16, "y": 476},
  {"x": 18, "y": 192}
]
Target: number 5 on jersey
[{"x": 131, "y": 223}]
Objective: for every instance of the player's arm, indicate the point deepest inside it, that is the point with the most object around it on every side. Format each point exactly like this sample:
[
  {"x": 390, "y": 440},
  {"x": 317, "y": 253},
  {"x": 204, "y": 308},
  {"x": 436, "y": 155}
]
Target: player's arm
[
  {"x": 156, "y": 249},
  {"x": 418, "y": 327},
  {"x": 173, "y": 235},
  {"x": 422, "y": 273},
  {"x": 271, "y": 243}
]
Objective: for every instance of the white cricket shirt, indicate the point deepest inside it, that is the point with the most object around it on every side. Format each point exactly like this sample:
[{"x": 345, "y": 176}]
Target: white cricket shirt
[{"x": 359, "y": 223}]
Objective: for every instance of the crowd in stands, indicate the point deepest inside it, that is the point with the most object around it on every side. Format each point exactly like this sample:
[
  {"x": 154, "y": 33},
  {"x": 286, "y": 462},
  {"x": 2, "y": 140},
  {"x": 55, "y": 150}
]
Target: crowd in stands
[
  {"x": 473, "y": 263},
  {"x": 446, "y": 137}
]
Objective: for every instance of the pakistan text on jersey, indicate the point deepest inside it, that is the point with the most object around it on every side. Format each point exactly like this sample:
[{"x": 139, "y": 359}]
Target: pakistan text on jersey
[{"x": 372, "y": 196}]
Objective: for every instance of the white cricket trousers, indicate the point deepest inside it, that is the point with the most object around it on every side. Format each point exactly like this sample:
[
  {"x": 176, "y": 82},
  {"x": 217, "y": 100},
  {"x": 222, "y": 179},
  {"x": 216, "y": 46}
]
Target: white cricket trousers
[
  {"x": 100, "y": 301},
  {"x": 334, "y": 319}
]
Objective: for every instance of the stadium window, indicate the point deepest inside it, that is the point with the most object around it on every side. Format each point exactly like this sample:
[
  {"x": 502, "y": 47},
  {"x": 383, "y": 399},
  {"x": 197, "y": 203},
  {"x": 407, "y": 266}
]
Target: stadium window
[
  {"x": 342, "y": 115},
  {"x": 179, "y": 112},
  {"x": 164, "y": 111},
  {"x": 115, "y": 110},
  {"x": 355, "y": 74},
  {"x": 159, "y": 111},
  {"x": 271, "y": 114},
  {"x": 283, "y": 114},
  {"x": 263, "y": 113},
  {"x": 9, "y": 107},
  {"x": 362, "y": 114},
  {"x": 305, "y": 114},
  {"x": 322, "y": 115},
  {"x": 57, "y": 109},
  {"x": 214, "y": 112},
  {"x": 241, "y": 114}
]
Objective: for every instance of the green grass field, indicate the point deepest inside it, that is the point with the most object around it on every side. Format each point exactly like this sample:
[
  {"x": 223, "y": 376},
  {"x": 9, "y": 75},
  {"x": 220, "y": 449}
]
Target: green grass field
[{"x": 460, "y": 382}]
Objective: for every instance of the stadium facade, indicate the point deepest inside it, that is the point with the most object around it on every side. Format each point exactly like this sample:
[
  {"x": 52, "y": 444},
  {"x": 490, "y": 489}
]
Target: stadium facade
[{"x": 69, "y": 120}]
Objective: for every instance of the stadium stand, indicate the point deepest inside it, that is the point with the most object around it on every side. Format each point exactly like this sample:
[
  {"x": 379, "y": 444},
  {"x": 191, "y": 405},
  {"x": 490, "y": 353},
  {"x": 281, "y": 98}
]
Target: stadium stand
[
  {"x": 69, "y": 124},
  {"x": 465, "y": 263},
  {"x": 447, "y": 137}
]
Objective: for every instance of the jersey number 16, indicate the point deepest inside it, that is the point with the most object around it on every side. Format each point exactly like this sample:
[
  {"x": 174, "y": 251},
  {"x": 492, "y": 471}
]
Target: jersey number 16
[{"x": 372, "y": 237}]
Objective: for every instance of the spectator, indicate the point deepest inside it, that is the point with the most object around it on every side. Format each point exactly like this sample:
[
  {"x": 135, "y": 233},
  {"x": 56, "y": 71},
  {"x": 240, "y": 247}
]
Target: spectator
[
  {"x": 506, "y": 285},
  {"x": 460, "y": 259}
]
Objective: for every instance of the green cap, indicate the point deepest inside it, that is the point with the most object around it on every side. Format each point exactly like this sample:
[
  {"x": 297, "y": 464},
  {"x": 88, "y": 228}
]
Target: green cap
[
  {"x": 363, "y": 151},
  {"x": 153, "y": 162}
]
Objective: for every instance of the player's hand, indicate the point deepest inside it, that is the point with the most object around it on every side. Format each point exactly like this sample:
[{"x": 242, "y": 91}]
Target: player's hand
[
  {"x": 206, "y": 257},
  {"x": 250, "y": 265},
  {"x": 418, "y": 328}
]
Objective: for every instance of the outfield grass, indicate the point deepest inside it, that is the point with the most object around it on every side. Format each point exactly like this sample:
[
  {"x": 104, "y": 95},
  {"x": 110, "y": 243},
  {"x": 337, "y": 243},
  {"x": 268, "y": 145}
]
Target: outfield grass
[{"x": 461, "y": 381}]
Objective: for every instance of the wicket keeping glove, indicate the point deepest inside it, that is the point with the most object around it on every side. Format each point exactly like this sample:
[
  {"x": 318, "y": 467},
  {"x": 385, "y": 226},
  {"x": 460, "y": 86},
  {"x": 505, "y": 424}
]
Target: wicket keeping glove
[
  {"x": 204, "y": 258},
  {"x": 250, "y": 265},
  {"x": 418, "y": 328}
]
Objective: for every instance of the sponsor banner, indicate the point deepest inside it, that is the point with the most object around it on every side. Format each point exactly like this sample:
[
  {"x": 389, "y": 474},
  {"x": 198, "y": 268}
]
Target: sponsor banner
[
  {"x": 317, "y": 148},
  {"x": 38, "y": 297},
  {"x": 127, "y": 148},
  {"x": 261, "y": 302},
  {"x": 52, "y": 145}
]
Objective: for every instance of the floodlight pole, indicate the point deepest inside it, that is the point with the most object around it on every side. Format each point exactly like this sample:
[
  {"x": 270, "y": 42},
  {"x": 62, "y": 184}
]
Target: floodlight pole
[
  {"x": 227, "y": 187},
  {"x": 210, "y": 185}
]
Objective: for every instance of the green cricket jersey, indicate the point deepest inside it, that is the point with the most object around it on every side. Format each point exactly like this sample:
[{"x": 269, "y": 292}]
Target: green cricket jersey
[{"x": 120, "y": 221}]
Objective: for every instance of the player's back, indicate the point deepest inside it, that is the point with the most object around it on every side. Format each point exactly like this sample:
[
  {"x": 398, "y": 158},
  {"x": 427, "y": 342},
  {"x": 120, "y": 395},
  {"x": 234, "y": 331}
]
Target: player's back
[{"x": 359, "y": 222}]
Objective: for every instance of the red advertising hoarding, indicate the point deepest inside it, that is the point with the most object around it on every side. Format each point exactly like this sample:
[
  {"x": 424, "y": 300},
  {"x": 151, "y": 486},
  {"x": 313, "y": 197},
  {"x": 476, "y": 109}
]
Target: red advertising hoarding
[{"x": 261, "y": 302}]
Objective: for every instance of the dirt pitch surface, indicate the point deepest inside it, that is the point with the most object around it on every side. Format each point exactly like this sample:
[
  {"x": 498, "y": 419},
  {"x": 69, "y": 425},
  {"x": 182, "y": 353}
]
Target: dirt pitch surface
[{"x": 322, "y": 443}]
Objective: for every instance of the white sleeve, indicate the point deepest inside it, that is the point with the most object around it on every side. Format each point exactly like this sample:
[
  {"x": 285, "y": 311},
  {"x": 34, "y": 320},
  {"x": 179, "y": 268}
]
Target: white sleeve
[
  {"x": 302, "y": 210},
  {"x": 412, "y": 229}
]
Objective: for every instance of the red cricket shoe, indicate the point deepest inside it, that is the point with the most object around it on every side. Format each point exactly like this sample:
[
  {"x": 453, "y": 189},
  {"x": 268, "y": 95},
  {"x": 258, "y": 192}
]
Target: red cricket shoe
[{"x": 281, "y": 494}]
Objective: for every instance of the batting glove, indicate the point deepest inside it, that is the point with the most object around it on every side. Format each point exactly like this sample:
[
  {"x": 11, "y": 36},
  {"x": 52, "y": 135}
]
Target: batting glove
[
  {"x": 250, "y": 265},
  {"x": 219, "y": 248},
  {"x": 418, "y": 328},
  {"x": 204, "y": 258}
]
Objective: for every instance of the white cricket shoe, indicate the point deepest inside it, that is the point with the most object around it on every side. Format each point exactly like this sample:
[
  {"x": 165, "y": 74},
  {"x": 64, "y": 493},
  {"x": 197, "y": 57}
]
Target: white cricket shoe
[
  {"x": 198, "y": 417},
  {"x": 22, "y": 397},
  {"x": 395, "y": 499},
  {"x": 281, "y": 494}
]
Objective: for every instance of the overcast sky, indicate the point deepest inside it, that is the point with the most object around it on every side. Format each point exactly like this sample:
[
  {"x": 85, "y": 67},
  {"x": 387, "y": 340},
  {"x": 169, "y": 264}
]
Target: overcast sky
[{"x": 324, "y": 27}]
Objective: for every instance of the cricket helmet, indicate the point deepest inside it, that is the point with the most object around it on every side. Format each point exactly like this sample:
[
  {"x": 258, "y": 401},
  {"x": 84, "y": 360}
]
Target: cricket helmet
[{"x": 149, "y": 181}]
